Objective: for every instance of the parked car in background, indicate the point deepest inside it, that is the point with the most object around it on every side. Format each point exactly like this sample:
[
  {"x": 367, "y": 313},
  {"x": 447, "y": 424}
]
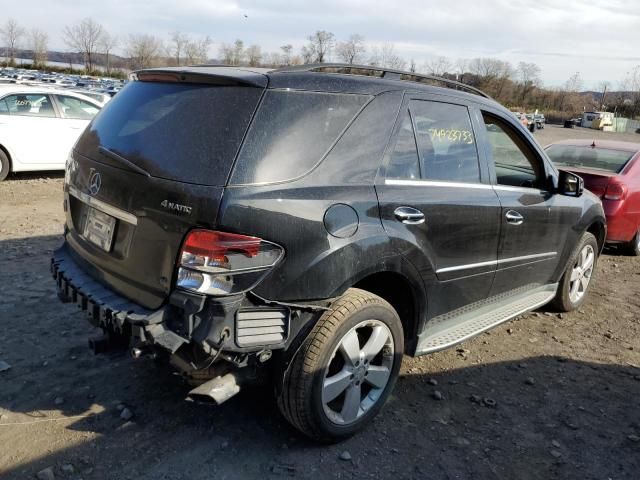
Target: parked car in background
[
  {"x": 39, "y": 125},
  {"x": 611, "y": 170},
  {"x": 540, "y": 120},
  {"x": 311, "y": 225}
]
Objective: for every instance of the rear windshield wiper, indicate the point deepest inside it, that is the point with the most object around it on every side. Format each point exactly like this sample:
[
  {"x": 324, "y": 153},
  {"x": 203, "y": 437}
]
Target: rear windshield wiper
[{"x": 119, "y": 158}]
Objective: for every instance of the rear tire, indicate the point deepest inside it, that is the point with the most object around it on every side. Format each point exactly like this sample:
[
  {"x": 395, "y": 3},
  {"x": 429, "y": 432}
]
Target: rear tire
[
  {"x": 346, "y": 368},
  {"x": 634, "y": 246},
  {"x": 577, "y": 277},
  {"x": 5, "y": 165}
]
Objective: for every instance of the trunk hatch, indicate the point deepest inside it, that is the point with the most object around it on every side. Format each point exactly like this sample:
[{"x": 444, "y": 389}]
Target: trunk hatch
[{"x": 163, "y": 152}]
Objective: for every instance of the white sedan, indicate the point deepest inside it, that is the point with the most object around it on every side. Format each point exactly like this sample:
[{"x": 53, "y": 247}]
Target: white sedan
[{"x": 39, "y": 126}]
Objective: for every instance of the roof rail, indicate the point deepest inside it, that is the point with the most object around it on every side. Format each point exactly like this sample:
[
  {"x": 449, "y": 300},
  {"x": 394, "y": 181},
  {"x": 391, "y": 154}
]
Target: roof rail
[{"x": 387, "y": 73}]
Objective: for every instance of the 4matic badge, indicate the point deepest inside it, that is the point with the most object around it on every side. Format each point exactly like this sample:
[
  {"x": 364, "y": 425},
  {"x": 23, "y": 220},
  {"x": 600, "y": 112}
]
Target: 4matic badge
[{"x": 176, "y": 207}]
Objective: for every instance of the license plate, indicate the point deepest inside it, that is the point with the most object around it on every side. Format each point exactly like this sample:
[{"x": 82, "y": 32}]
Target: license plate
[{"x": 99, "y": 228}]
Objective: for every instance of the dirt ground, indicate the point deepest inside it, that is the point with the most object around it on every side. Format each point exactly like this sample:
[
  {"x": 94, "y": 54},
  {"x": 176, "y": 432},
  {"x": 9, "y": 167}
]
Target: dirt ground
[{"x": 545, "y": 396}]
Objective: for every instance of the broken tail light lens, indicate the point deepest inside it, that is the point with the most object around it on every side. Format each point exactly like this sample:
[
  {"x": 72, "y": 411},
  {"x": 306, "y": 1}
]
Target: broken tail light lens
[
  {"x": 615, "y": 191},
  {"x": 220, "y": 263}
]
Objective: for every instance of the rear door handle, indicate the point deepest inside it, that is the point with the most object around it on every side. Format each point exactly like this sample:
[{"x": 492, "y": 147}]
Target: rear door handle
[
  {"x": 409, "y": 215},
  {"x": 514, "y": 218}
]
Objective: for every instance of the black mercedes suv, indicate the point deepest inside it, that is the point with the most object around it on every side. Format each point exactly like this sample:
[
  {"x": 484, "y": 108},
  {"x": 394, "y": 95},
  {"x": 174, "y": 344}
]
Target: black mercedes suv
[{"x": 311, "y": 225}]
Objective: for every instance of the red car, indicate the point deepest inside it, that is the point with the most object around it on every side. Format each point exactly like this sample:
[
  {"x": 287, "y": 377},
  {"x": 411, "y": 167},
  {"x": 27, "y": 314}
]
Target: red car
[{"x": 611, "y": 170}]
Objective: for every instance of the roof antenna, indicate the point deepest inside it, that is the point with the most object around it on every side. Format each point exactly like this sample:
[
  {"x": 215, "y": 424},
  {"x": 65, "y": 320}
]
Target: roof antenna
[{"x": 593, "y": 145}]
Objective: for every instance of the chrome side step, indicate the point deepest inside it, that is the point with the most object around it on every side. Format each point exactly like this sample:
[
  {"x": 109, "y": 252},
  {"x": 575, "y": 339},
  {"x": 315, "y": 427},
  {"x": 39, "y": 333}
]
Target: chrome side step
[{"x": 455, "y": 327}]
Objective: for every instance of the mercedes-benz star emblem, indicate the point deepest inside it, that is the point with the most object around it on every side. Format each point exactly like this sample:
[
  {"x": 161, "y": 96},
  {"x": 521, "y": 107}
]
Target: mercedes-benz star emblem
[{"x": 95, "y": 181}]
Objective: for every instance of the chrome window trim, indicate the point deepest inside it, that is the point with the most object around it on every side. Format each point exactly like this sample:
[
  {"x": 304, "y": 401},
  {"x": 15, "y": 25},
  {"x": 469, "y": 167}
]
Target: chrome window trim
[
  {"x": 508, "y": 188},
  {"x": 102, "y": 206},
  {"x": 535, "y": 256},
  {"x": 436, "y": 183}
]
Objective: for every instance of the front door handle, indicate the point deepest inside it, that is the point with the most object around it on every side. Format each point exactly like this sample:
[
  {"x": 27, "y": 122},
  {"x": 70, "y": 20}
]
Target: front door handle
[
  {"x": 409, "y": 215},
  {"x": 514, "y": 218}
]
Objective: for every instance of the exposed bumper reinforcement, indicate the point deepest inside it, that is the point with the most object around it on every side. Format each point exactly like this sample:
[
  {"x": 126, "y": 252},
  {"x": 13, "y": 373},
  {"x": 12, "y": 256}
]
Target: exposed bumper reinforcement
[{"x": 104, "y": 307}]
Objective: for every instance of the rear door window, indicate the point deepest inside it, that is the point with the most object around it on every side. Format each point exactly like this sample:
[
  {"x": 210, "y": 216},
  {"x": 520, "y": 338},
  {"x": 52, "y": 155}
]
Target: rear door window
[
  {"x": 177, "y": 131},
  {"x": 446, "y": 142},
  {"x": 292, "y": 132},
  {"x": 403, "y": 160}
]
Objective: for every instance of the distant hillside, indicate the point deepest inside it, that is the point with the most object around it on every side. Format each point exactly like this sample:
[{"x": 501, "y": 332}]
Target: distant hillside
[{"x": 115, "y": 61}]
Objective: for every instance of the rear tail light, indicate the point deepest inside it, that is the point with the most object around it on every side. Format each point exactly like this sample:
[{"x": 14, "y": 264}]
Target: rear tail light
[
  {"x": 219, "y": 263},
  {"x": 614, "y": 191}
]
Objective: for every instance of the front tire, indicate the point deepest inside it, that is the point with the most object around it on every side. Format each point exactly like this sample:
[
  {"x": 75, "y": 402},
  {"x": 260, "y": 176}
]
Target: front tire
[
  {"x": 346, "y": 368},
  {"x": 5, "y": 166},
  {"x": 576, "y": 280}
]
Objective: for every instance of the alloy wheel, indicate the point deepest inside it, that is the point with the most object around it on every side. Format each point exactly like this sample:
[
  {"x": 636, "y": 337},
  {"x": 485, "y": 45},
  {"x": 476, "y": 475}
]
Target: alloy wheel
[
  {"x": 581, "y": 273},
  {"x": 358, "y": 372}
]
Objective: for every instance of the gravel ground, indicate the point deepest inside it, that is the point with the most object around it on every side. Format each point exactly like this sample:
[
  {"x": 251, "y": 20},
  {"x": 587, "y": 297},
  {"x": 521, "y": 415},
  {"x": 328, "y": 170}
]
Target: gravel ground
[{"x": 545, "y": 396}]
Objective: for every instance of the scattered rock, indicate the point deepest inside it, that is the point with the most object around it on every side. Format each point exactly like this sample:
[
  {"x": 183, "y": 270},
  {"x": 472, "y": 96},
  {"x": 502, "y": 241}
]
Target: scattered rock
[
  {"x": 283, "y": 469},
  {"x": 475, "y": 398},
  {"x": 509, "y": 331},
  {"x": 555, "y": 453},
  {"x": 68, "y": 469},
  {"x": 120, "y": 407},
  {"x": 463, "y": 441},
  {"x": 432, "y": 381},
  {"x": 346, "y": 456},
  {"x": 437, "y": 395},
  {"x": 634, "y": 438},
  {"x": 59, "y": 400},
  {"x": 608, "y": 335},
  {"x": 224, "y": 444},
  {"x": 46, "y": 474},
  {"x": 555, "y": 443},
  {"x": 4, "y": 366},
  {"x": 126, "y": 414},
  {"x": 73, "y": 357},
  {"x": 560, "y": 316},
  {"x": 45, "y": 363},
  {"x": 530, "y": 381},
  {"x": 489, "y": 402}
]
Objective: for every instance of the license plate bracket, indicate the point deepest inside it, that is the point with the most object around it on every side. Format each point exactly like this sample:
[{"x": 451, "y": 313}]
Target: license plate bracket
[{"x": 99, "y": 228}]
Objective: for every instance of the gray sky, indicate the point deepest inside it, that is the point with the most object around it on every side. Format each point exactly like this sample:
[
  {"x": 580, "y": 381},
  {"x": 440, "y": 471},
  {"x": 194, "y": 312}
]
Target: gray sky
[{"x": 600, "y": 40}]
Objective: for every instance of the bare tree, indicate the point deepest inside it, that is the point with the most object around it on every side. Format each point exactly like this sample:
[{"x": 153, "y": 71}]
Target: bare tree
[
  {"x": 11, "y": 33},
  {"x": 386, "y": 57},
  {"x": 460, "y": 68},
  {"x": 286, "y": 54},
  {"x": 108, "y": 43},
  {"x": 179, "y": 42},
  {"x": 306, "y": 55},
  {"x": 84, "y": 37},
  {"x": 412, "y": 66},
  {"x": 226, "y": 52},
  {"x": 143, "y": 50},
  {"x": 528, "y": 73},
  {"x": 320, "y": 45},
  {"x": 254, "y": 55},
  {"x": 39, "y": 46},
  {"x": 197, "y": 51},
  {"x": 238, "y": 52},
  {"x": 352, "y": 50},
  {"x": 438, "y": 66}
]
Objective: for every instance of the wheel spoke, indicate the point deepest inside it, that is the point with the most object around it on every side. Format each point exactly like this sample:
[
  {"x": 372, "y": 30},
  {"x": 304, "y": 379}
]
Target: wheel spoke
[
  {"x": 583, "y": 257},
  {"x": 378, "y": 376},
  {"x": 375, "y": 343},
  {"x": 574, "y": 289},
  {"x": 350, "y": 348},
  {"x": 335, "y": 385},
  {"x": 588, "y": 263},
  {"x": 351, "y": 405},
  {"x": 575, "y": 274},
  {"x": 584, "y": 282}
]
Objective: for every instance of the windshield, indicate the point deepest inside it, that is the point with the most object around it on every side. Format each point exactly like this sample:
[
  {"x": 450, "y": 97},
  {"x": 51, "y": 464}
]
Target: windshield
[
  {"x": 588, "y": 157},
  {"x": 177, "y": 131}
]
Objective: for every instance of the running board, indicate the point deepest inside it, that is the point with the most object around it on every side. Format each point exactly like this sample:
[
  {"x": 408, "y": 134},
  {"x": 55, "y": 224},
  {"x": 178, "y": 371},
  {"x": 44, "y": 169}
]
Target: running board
[{"x": 455, "y": 327}]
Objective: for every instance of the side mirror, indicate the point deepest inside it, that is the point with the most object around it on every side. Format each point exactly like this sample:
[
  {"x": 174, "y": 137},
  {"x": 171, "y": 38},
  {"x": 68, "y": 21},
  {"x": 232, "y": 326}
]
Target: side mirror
[{"x": 570, "y": 184}]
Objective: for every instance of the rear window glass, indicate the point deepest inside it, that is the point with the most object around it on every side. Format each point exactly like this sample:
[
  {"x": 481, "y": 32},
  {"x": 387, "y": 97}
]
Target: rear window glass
[
  {"x": 291, "y": 133},
  {"x": 185, "y": 132},
  {"x": 588, "y": 157}
]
